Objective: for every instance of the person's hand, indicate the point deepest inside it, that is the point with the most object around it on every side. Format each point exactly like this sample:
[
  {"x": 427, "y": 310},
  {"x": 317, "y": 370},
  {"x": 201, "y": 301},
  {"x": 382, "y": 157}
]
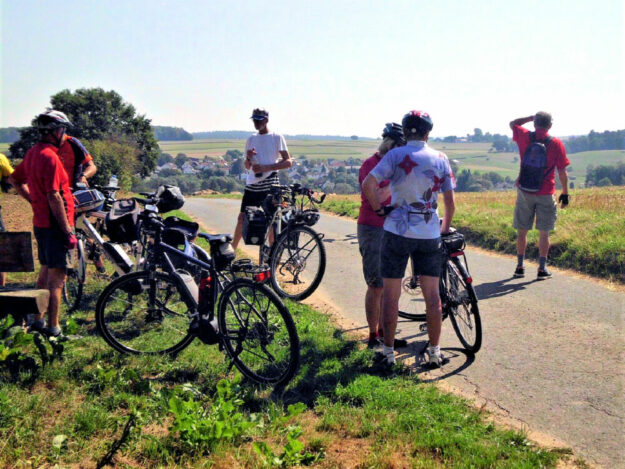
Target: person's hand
[
  {"x": 251, "y": 153},
  {"x": 83, "y": 180},
  {"x": 72, "y": 241},
  {"x": 564, "y": 199},
  {"x": 259, "y": 168}
]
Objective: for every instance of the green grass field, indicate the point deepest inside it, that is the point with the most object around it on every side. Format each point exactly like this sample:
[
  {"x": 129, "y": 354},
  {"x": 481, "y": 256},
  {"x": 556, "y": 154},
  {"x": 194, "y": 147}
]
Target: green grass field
[
  {"x": 4, "y": 148},
  {"x": 589, "y": 235},
  {"x": 91, "y": 406}
]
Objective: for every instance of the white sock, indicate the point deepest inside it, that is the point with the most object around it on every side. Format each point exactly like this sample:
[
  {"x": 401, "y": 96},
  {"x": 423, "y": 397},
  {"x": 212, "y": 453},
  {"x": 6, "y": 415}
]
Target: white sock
[
  {"x": 435, "y": 349},
  {"x": 388, "y": 353}
]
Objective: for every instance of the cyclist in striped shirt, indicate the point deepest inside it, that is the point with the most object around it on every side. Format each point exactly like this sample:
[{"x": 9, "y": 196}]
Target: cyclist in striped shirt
[{"x": 266, "y": 153}]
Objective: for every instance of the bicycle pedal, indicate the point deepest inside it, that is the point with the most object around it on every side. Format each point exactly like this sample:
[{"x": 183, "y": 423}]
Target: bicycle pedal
[{"x": 423, "y": 327}]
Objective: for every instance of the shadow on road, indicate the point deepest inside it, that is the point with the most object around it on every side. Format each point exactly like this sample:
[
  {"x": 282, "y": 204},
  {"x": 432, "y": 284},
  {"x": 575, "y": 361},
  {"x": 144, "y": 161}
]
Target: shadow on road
[{"x": 499, "y": 288}]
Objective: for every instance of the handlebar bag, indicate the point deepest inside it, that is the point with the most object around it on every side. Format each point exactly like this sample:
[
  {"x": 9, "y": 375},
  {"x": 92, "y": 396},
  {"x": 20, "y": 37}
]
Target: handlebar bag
[
  {"x": 87, "y": 199},
  {"x": 254, "y": 226},
  {"x": 121, "y": 221},
  {"x": 169, "y": 198}
]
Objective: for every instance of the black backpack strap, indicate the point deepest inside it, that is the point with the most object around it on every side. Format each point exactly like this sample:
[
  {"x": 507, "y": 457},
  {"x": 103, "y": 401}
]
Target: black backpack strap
[{"x": 532, "y": 137}]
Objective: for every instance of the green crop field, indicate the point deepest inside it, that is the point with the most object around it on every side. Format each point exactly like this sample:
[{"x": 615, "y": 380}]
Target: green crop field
[
  {"x": 473, "y": 156},
  {"x": 4, "y": 148}
]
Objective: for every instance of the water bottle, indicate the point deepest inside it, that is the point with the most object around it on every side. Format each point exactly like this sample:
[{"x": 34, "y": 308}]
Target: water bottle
[
  {"x": 255, "y": 161},
  {"x": 113, "y": 181}
]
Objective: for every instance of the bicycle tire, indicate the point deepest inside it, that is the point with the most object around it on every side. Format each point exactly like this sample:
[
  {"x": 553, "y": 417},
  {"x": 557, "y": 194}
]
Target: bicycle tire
[
  {"x": 411, "y": 302},
  {"x": 298, "y": 243},
  {"x": 75, "y": 278},
  {"x": 150, "y": 331},
  {"x": 463, "y": 309},
  {"x": 258, "y": 332}
]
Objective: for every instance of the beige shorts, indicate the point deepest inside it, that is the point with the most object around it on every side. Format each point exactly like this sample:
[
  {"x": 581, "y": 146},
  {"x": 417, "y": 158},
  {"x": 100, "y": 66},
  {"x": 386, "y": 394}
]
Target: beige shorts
[{"x": 528, "y": 206}]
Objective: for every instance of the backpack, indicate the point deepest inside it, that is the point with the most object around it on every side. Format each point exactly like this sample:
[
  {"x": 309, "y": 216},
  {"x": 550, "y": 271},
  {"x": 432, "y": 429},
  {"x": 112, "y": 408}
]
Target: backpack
[{"x": 534, "y": 165}]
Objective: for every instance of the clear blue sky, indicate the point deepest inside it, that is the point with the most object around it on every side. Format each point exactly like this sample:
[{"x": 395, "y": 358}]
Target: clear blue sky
[{"x": 323, "y": 67}]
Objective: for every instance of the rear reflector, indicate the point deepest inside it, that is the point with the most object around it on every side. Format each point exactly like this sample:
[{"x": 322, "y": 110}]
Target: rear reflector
[
  {"x": 456, "y": 254},
  {"x": 469, "y": 280},
  {"x": 262, "y": 276}
]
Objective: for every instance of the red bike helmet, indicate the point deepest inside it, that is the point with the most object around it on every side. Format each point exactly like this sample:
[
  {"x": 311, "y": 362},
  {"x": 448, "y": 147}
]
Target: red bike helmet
[{"x": 416, "y": 123}]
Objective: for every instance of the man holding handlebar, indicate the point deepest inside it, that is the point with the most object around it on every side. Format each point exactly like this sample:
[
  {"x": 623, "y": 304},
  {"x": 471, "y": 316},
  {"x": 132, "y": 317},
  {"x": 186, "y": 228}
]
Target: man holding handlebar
[{"x": 42, "y": 180}]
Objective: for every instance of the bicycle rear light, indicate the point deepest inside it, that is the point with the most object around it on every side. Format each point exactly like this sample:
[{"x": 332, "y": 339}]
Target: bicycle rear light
[
  {"x": 469, "y": 280},
  {"x": 456, "y": 254},
  {"x": 262, "y": 277}
]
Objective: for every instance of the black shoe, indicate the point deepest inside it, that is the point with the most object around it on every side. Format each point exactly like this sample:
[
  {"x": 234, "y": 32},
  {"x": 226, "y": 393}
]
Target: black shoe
[
  {"x": 373, "y": 342},
  {"x": 519, "y": 272},
  {"x": 381, "y": 363},
  {"x": 543, "y": 275},
  {"x": 52, "y": 331}
]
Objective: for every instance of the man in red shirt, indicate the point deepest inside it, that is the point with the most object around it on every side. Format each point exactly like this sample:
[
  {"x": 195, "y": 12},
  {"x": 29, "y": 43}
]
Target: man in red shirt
[
  {"x": 370, "y": 231},
  {"x": 541, "y": 203},
  {"x": 42, "y": 180}
]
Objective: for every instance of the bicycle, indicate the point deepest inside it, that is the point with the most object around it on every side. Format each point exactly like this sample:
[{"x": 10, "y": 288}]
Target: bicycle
[
  {"x": 458, "y": 298},
  {"x": 91, "y": 203},
  {"x": 161, "y": 310},
  {"x": 297, "y": 258}
]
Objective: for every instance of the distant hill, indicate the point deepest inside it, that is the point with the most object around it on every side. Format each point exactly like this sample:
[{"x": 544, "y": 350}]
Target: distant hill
[
  {"x": 9, "y": 134},
  {"x": 243, "y": 134}
]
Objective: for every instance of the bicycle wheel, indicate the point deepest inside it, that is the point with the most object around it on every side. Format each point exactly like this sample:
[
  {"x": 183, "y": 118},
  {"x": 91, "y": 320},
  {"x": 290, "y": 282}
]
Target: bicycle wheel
[
  {"x": 143, "y": 315},
  {"x": 258, "y": 332},
  {"x": 75, "y": 277},
  {"x": 462, "y": 307},
  {"x": 298, "y": 262},
  {"x": 411, "y": 302}
]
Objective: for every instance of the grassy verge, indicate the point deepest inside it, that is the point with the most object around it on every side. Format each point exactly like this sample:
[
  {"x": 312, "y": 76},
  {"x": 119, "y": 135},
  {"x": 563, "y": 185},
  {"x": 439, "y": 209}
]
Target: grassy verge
[
  {"x": 589, "y": 235},
  {"x": 95, "y": 407}
]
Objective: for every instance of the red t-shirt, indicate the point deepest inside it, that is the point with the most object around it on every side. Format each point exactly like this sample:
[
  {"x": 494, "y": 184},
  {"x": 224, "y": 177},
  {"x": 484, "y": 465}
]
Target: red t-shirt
[
  {"x": 68, "y": 156},
  {"x": 43, "y": 171},
  {"x": 556, "y": 155},
  {"x": 366, "y": 215}
]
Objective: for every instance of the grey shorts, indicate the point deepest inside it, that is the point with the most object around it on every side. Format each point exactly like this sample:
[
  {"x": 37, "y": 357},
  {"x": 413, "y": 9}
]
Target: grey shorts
[
  {"x": 528, "y": 206},
  {"x": 370, "y": 245},
  {"x": 425, "y": 253}
]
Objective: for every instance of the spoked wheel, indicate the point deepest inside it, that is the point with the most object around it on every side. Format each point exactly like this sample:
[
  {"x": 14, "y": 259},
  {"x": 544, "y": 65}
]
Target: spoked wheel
[
  {"x": 258, "y": 332},
  {"x": 298, "y": 262},
  {"x": 463, "y": 309},
  {"x": 144, "y": 314},
  {"x": 411, "y": 302},
  {"x": 75, "y": 277}
]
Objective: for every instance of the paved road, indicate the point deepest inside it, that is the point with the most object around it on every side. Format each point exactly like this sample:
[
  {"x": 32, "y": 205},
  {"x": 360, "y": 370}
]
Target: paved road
[{"x": 553, "y": 357}]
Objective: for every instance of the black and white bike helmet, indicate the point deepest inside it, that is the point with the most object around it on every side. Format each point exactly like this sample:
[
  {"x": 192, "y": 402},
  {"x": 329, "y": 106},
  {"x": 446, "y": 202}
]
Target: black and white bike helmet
[
  {"x": 52, "y": 119},
  {"x": 394, "y": 131},
  {"x": 416, "y": 122}
]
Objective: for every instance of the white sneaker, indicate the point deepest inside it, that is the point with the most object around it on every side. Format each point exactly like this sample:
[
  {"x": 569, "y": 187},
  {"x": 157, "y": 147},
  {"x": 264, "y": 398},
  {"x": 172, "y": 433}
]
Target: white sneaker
[{"x": 435, "y": 358}]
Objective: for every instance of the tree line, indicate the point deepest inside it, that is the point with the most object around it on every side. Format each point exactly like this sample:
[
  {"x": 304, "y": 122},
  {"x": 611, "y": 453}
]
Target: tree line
[
  {"x": 604, "y": 175},
  {"x": 162, "y": 132},
  {"x": 608, "y": 140}
]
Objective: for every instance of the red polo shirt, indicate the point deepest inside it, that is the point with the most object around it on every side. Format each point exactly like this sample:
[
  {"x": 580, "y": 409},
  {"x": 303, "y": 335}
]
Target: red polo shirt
[
  {"x": 43, "y": 171},
  {"x": 68, "y": 153},
  {"x": 366, "y": 215},
  {"x": 556, "y": 155}
]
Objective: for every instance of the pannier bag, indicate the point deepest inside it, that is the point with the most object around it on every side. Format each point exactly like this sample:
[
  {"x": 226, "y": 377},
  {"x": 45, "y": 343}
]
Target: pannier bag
[
  {"x": 121, "y": 221},
  {"x": 308, "y": 217},
  {"x": 254, "y": 226},
  {"x": 454, "y": 242},
  {"x": 169, "y": 198},
  {"x": 534, "y": 165},
  {"x": 223, "y": 253},
  {"x": 88, "y": 199},
  {"x": 189, "y": 228}
]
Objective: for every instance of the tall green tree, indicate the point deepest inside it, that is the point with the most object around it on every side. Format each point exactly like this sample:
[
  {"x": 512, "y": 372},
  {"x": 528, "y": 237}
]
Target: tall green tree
[{"x": 99, "y": 115}]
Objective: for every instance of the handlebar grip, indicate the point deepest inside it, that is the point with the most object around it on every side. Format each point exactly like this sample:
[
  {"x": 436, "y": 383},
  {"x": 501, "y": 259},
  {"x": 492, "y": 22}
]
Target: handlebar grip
[
  {"x": 147, "y": 194},
  {"x": 143, "y": 201}
]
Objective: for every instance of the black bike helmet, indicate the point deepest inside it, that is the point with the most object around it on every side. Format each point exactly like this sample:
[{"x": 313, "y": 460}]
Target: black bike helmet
[
  {"x": 416, "y": 123},
  {"x": 394, "y": 131},
  {"x": 52, "y": 119}
]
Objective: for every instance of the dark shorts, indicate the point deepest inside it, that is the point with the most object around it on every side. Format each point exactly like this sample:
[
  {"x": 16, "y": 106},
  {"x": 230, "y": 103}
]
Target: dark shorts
[
  {"x": 370, "y": 246},
  {"x": 425, "y": 253},
  {"x": 253, "y": 199},
  {"x": 2, "y": 227},
  {"x": 51, "y": 246}
]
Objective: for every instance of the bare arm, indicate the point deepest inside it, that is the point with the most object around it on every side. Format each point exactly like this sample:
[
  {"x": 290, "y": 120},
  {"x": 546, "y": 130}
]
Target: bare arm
[
  {"x": 88, "y": 171},
  {"x": 370, "y": 190},
  {"x": 521, "y": 121},
  {"x": 284, "y": 163},
  {"x": 21, "y": 188},
  {"x": 55, "y": 201},
  {"x": 449, "y": 200}
]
